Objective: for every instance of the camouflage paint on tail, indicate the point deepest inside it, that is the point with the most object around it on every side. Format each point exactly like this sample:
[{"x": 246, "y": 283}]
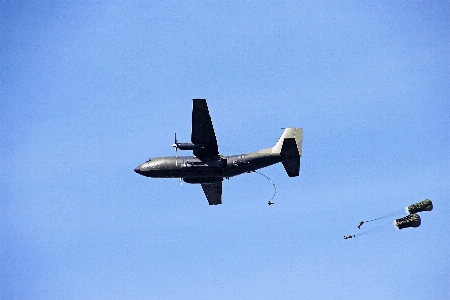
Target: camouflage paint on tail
[{"x": 289, "y": 147}]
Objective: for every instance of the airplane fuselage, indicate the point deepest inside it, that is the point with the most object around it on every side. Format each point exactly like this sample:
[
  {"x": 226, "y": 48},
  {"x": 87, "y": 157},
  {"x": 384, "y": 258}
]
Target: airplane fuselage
[
  {"x": 195, "y": 170},
  {"x": 208, "y": 167}
]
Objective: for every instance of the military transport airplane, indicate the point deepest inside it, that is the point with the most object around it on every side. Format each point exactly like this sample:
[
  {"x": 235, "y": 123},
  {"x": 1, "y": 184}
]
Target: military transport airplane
[{"x": 208, "y": 168}]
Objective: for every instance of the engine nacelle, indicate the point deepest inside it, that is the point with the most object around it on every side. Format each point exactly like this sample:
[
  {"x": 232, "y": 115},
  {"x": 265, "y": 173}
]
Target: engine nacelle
[{"x": 187, "y": 146}]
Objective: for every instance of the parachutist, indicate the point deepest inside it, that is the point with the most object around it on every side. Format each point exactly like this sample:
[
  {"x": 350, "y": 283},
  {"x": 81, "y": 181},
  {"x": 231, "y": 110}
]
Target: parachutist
[
  {"x": 348, "y": 237},
  {"x": 270, "y": 202},
  {"x": 360, "y": 224}
]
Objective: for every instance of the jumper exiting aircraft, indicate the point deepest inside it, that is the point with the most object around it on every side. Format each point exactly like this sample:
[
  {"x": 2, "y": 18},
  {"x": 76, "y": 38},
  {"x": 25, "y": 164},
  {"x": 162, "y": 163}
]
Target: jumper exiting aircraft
[{"x": 208, "y": 168}]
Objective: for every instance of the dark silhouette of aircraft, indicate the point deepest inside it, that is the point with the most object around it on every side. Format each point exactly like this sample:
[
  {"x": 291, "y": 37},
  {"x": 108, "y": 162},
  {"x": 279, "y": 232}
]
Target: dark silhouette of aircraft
[{"x": 208, "y": 168}]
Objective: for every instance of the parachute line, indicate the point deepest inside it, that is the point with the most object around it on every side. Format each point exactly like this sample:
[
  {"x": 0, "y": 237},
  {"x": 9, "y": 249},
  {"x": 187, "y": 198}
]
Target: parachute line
[
  {"x": 386, "y": 216},
  {"x": 385, "y": 227},
  {"x": 273, "y": 183}
]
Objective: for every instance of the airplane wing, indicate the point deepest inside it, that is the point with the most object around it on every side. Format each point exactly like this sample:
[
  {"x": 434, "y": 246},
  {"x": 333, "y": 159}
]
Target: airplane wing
[
  {"x": 203, "y": 131},
  {"x": 213, "y": 192}
]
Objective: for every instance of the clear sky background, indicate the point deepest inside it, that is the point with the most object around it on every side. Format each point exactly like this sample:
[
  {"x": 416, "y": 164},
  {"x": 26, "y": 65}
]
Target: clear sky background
[{"x": 90, "y": 90}]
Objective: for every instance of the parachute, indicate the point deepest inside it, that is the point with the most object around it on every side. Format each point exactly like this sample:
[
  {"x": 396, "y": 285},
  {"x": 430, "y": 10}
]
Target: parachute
[
  {"x": 425, "y": 205},
  {"x": 412, "y": 220}
]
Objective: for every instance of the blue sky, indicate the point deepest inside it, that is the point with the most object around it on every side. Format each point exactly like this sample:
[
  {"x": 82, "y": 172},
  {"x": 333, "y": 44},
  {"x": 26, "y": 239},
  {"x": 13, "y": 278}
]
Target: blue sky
[{"x": 89, "y": 90}]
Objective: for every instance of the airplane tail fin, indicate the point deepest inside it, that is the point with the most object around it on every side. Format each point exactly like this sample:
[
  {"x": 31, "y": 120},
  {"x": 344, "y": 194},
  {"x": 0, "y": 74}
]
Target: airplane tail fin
[
  {"x": 289, "y": 146},
  {"x": 290, "y": 142}
]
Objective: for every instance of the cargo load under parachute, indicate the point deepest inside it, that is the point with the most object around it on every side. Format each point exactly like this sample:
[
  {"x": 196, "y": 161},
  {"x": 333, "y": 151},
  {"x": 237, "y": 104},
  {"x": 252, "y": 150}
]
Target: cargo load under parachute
[
  {"x": 425, "y": 205},
  {"x": 412, "y": 220}
]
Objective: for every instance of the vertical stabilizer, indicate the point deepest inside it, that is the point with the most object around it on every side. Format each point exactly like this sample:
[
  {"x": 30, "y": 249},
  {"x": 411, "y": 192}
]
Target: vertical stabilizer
[
  {"x": 289, "y": 146},
  {"x": 293, "y": 137}
]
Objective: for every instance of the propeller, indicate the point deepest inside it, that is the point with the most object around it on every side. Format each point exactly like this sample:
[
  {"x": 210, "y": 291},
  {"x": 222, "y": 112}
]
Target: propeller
[{"x": 175, "y": 145}]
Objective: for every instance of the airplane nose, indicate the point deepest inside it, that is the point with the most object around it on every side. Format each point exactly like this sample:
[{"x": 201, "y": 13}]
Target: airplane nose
[{"x": 138, "y": 170}]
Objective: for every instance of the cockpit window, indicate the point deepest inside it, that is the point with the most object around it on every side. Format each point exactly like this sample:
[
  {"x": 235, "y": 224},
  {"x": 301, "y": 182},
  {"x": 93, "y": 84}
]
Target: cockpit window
[{"x": 149, "y": 159}]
